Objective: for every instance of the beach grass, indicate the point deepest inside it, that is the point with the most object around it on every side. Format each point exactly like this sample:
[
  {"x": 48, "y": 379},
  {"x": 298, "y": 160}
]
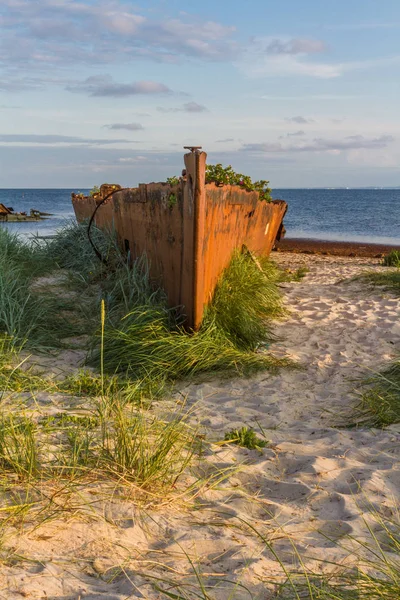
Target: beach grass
[
  {"x": 111, "y": 440},
  {"x": 140, "y": 350},
  {"x": 70, "y": 250},
  {"x": 139, "y": 347},
  {"x": 380, "y": 397},
  {"x": 392, "y": 259},
  {"x": 245, "y": 301},
  {"x": 148, "y": 343},
  {"x": 14, "y": 375},
  {"x": 371, "y": 570},
  {"x": 373, "y": 573},
  {"x": 388, "y": 281},
  {"x": 144, "y": 338},
  {"x": 246, "y": 438},
  {"x": 380, "y": 393},
  {"x": 35, "y": 317}
]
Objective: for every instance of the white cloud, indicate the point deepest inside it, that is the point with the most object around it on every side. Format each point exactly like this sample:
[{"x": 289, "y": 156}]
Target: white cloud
[
  {"x": 52, "y": 139},
  {"x": 270, "y": 57},
  {"x": 127, "y": 126},
  {"x": 189, "y": 107},
  {"x": 267, "y": 56},
  {"x": 104, "y": 32},
  {"x": 104, "y": 85},
  {"x": 293, "y": 46},
  {"x": 299, "y": 133},
  {"x": 352, "y": 142},
  {"x": 299, "y": 120}
]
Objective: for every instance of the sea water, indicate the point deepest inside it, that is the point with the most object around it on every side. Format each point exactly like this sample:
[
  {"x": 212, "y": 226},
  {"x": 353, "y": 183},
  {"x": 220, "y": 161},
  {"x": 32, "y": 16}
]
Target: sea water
[{"x": 354, "y": 215}]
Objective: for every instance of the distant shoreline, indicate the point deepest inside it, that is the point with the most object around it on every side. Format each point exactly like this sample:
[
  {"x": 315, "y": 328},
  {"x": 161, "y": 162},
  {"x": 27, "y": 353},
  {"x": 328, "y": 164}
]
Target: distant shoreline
[{"x": 331, "y": 248}]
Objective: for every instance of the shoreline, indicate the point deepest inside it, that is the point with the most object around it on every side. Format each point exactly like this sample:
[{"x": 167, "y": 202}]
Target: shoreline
[{"x": 330, "y": 248}]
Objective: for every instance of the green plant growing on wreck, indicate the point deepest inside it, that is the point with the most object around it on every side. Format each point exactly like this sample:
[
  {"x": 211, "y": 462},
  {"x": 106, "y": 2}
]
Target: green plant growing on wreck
[
  {"x": 172, "y": 200},
  {"x": 173, "y": 180},
  {"x": 221, "y": 175},
  {"x": 227, "y": 176},
  {"x": 94, "y": 191}
]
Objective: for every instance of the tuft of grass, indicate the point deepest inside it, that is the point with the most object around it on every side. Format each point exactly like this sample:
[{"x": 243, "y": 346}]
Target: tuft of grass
[
  {"x": 129, "y": 286},
  {"x": 18, "y": 447},
  {"x": 297, "y": 275},
  {"x": 245, "y": 437},
  {"x": 14, "y": 251},
  {"x": 13, "y": 378},
  {"x": 144, "y": 449},
  {"x": 30, "y": 315},
  {"x": 144, "y": 347},
  {"x": 70, "y": 249},
  {"x": 380, "y": 401},
  {"x": 114, "y": 442},
  {"x": 392, "y": 259},
  {"x": 389, "y": 281},
  {"x": 89, "y": 384},
  {"x": 245, "y": 300}
]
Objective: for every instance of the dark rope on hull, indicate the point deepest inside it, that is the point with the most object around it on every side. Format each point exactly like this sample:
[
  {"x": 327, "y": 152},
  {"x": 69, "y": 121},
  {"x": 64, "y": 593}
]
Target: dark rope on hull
[{"x": 96, "y": 251}]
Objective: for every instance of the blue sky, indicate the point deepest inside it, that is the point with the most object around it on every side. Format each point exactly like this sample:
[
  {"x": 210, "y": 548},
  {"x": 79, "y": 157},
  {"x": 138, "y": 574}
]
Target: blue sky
[{"x": 305, "y": 94}]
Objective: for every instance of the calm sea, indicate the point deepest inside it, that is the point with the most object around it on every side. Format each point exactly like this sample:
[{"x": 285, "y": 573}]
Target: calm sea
[{"x": 366, "y": 215}]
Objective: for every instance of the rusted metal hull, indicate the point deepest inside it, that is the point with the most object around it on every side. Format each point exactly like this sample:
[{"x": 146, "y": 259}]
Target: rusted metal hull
[
  {"x": 188, "y": 232},
  {"x": 9, "y": 216}
]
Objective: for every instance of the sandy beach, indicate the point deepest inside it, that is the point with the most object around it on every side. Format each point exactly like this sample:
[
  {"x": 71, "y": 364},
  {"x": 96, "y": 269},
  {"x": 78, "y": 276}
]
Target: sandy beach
[{"x": 311, "y": 487}]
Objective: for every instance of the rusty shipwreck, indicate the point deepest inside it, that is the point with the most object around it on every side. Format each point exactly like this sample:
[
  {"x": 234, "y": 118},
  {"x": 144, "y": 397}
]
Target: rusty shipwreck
[
  {"x": 188, "y": 231},
  {"x": 8, "y": 215}
]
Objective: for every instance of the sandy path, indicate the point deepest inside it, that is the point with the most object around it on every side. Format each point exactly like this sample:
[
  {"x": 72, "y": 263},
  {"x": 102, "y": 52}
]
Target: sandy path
[{"x": 312, "y": 481}]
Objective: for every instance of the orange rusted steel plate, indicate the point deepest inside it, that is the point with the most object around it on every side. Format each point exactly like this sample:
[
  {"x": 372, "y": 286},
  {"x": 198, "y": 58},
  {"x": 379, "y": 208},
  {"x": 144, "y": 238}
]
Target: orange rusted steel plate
[
  {"x": 4, "y": 210},
  {"x": 188, "y": 231}
]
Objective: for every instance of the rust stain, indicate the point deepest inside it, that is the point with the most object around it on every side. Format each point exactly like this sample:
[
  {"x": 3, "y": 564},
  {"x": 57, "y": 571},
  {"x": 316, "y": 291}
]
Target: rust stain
[{"x": 190, "y": 241}]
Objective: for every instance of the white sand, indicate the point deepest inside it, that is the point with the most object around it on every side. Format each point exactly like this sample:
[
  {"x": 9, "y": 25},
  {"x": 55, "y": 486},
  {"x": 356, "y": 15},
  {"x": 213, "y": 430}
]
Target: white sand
[{"x": 312, "y": 481}]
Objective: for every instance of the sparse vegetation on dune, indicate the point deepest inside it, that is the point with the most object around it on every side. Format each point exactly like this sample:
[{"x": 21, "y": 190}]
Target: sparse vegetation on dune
[
  {"x": 113, "y": 439},
  {"x": 380, "y": 393},
  {"x": 148, "y": 343},
  {"x": 392, "y": 259},
  {"x": 388, "y": 281},
  {"x": 142, "y": 348},
  {"x": 103, "y": 442},
  {"x": 380, "y": 398},
  {"x": 38, "y": 317},
  {"x": 373, "y": 572},
  {"x": 70, "y": 250},
  {"x": 236, "y": 323},
  {"x": 245, "y": 301},
  {"x": 245, "y": 437}
]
